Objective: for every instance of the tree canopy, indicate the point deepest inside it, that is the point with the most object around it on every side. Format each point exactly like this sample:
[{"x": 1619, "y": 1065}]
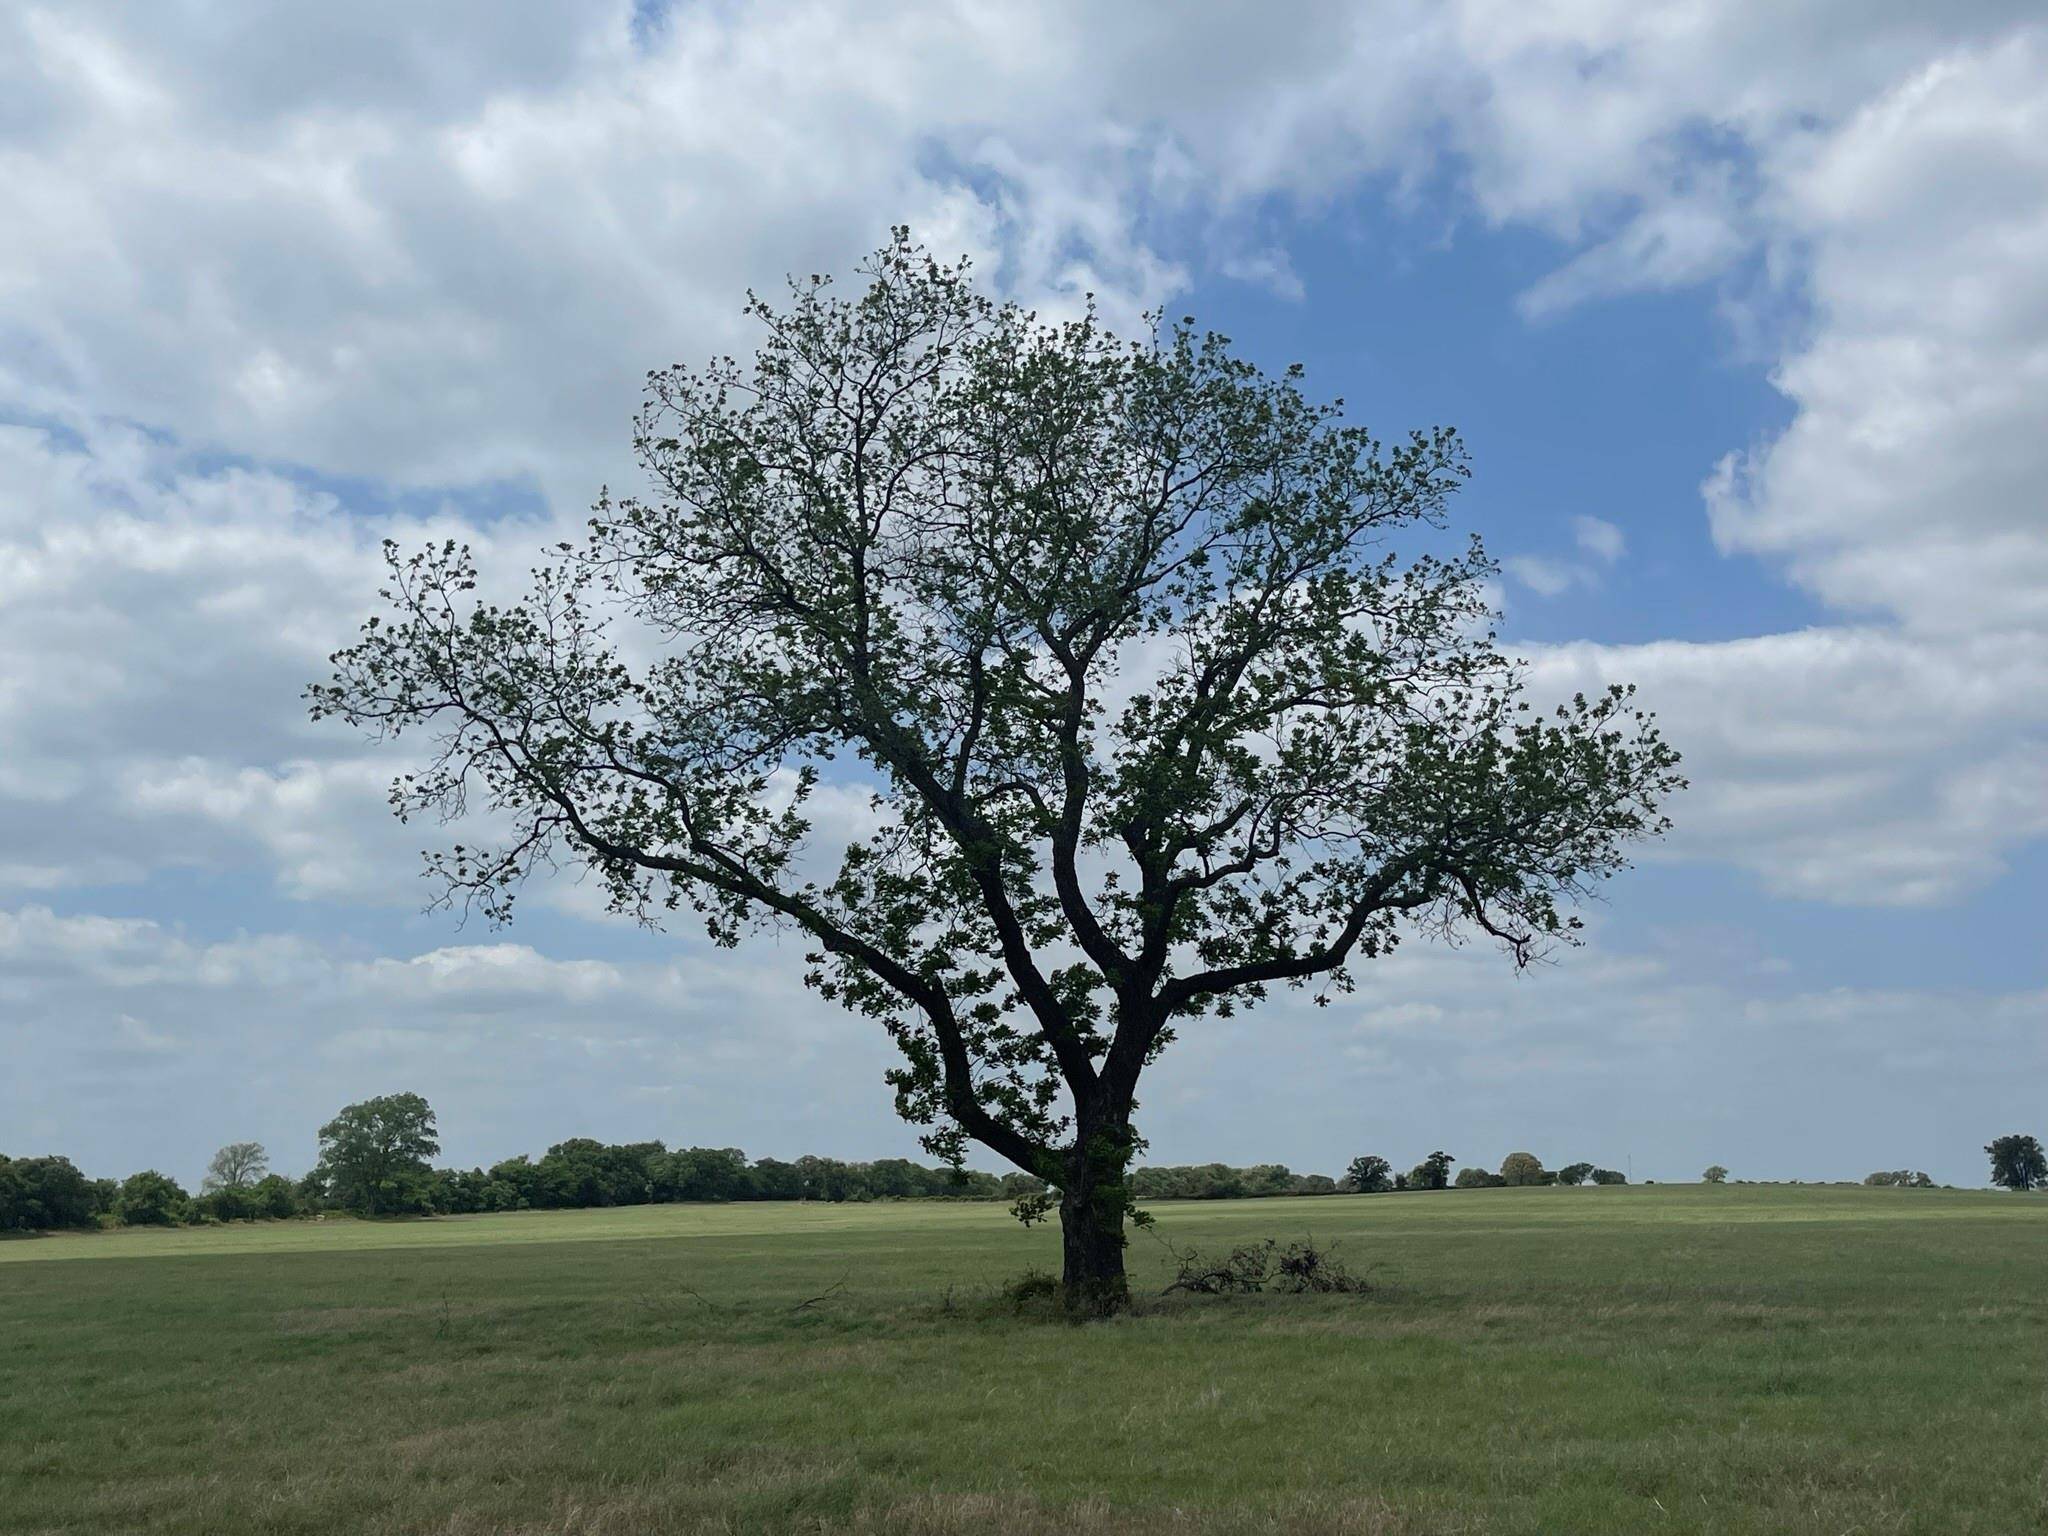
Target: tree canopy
[{"x": 1147, "y": 714}]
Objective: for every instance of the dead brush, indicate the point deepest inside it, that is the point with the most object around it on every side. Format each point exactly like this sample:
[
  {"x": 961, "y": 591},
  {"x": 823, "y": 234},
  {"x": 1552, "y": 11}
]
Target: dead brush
[{"x": 1302, "y": 1268}]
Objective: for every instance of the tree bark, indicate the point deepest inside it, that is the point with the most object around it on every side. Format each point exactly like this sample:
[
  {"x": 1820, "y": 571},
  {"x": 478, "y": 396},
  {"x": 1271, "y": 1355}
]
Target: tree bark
[
  {"x": 1092, "y": 1278},
  {"x": 1094, "y": 1200}
]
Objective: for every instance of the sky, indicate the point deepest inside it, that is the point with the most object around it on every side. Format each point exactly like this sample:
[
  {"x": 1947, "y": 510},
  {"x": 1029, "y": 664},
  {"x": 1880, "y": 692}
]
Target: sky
[{"x": 1741, "y": 306}]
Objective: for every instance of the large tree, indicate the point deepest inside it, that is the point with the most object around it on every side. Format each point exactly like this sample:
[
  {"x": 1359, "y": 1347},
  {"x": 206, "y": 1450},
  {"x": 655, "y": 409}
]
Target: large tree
[
  {"x": 373, "y": 1155},
  {"x": 1147, "y": 715},
  {"x": 2017, "y": 1162},
  {"x": 238, "y": 1165}
]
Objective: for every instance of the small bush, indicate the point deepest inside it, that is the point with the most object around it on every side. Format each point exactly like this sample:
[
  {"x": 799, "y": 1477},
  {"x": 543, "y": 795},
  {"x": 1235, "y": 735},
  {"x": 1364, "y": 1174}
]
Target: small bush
[
  {"x": 1034, "y": 1287},
  {"x": 150, "y": 1199}
]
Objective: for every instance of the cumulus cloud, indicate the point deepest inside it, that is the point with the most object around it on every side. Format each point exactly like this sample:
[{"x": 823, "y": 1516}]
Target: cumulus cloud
[
  {"x": 1599, "y": 538},
  {"x": 1851, "y": 765},
  {"x": 1909, "y": 482},
  {"x": 180, "y": 1044},
  {"x": 437, "y": 253},
  {"x": 275, "y": 287},
  {"x": 496, "y": 1034}
]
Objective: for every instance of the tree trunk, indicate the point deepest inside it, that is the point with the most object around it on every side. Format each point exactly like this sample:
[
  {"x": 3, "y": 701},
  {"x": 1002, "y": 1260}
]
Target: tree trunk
[
  {"x": 1092, "y": 1246},
  {"x": 1093, "y": 1203}
]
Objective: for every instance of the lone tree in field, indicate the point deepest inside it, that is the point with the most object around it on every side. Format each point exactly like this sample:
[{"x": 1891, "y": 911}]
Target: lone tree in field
[
  {"x": 1148, "y": 716},
  {"x": 2018, "y": 1163}
]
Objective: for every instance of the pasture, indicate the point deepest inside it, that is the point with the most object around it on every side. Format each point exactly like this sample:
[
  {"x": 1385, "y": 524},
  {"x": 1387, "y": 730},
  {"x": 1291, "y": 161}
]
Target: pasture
[{"x": 1686, "y": 1359}]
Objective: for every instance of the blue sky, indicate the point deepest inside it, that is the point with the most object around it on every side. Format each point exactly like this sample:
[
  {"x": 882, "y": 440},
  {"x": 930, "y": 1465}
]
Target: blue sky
[{"x": 1740, "y": 307}]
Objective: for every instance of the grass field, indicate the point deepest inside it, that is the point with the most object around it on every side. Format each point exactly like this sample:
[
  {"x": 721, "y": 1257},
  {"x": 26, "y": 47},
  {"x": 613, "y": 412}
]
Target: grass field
[{"x": 1555, "y": 1361}]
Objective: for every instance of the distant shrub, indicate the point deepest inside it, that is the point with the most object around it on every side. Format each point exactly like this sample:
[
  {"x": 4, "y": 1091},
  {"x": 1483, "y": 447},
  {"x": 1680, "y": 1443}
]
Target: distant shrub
[
  {"x": 1902, "y": 1178},
  {"x": 1478, "y": 1178},
  {"x": 1608, "y": 1176},
  {"x": 275, "y": 1197},
  {"x": 150, "y": 1199}
]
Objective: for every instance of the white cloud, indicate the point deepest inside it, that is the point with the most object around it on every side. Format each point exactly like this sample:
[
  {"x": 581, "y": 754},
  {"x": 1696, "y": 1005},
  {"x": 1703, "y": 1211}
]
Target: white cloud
[
  {"x": 514, "y": 1047},
  {"x": 1600, "y": 542},
  {"x": 420, "y": 247},
  {"x": 180, "y": 1045},
  {"x": 1909, "y": 482},
  {"x": 1543, "y": 575},
  {"x": 1852, "y": 765},
  {"x": 1599, "y": 538},
  {"x": 444, "y": 255}
]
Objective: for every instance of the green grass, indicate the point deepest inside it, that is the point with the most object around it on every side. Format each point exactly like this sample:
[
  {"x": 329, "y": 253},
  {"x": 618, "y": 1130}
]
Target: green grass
[{"x": 1555, "y": 1361}]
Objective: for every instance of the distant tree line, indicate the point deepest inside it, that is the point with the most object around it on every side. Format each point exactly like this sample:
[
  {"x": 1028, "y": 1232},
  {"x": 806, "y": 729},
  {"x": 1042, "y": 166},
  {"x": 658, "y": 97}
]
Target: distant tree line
[{"x": 375, "y": 1160}]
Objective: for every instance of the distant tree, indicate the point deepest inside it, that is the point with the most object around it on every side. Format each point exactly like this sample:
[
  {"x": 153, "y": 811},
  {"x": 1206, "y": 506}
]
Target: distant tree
[
  {"x": 150, "y": 1199},
  {"x": 1268, "y": 1179},
  {"x": 2017, "y": 1163},
  {"x": 1523, "y": 1168},
  {"x": 713, "y": 1173},
  {"x": 1478, "y": 1178},
  {"x": 274, "y": 1197},
  {"x": 1901, "y": 1178},
  {"x": 928, "y": 530},
  {"x": 237, "y": 1165},
  {"x": 43, "y": 1194},
  {"x": 583, "y": 1172},
  {"x": 223, "y": 1205},
  {"x": 373, "y": 1155},
  {"x": 1608, "y": 1176},
  {"x": 1574, "y": 1173},
  {"x": 1369, "y": 1175},
  {"x": 1715, "y": 1174},
  {"x": 1433, "y": 1172},
  {"x": 773, "y": 1179},
  {"x": 519, "y": 1175},
  {"x": 1400, "y": 1181}
]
